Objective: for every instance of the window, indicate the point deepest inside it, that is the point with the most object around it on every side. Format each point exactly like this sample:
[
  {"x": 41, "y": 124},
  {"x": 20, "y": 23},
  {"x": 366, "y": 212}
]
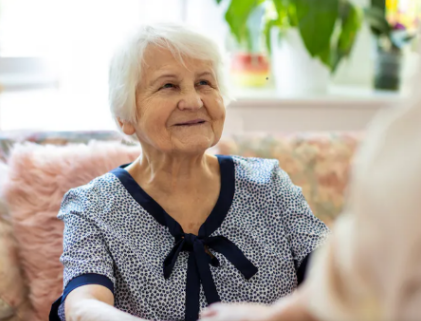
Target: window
[
  {"x": 63, "y": 47},
  {"x": 71, "y": 39},
  {"x": 54, "y": 57}
]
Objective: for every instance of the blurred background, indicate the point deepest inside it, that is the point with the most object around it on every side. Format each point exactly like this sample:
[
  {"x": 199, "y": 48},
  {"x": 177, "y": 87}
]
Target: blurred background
[
  {"x": 295, "y": 64},
  {"x": 308, "y": 75}
]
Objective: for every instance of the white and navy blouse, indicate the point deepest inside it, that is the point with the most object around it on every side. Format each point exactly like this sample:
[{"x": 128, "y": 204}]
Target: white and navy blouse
[{"x": 259, "y": 234}]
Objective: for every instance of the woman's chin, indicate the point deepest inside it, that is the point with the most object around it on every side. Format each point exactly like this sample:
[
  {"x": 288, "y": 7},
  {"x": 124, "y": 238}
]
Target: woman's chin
[{"x": 194, "y": 145}]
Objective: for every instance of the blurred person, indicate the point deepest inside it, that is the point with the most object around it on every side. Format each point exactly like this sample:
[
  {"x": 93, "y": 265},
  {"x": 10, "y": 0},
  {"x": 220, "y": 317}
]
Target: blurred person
[
  {"x": 178, "y": 229},
  {"x": 370, "y": 270}
]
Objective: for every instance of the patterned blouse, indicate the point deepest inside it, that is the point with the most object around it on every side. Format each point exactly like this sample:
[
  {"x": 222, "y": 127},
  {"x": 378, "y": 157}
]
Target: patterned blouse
[{"x": 251, "y": 248}]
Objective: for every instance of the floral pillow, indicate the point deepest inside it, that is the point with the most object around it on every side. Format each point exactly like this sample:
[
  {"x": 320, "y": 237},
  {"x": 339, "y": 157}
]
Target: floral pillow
[{"x": 317, "y": 162}]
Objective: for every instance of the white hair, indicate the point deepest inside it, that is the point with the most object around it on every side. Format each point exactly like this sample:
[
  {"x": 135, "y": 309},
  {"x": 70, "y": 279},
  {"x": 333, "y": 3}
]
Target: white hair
[{"x": 126, "y": 64}]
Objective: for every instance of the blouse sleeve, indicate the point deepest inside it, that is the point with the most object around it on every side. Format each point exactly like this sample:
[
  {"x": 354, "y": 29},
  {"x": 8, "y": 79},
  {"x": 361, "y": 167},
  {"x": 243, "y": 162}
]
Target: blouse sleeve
[
  {"x": 86, "y": 258},
  {"x": 305, "y": 231},
  {"x": 84, "y": 248}
]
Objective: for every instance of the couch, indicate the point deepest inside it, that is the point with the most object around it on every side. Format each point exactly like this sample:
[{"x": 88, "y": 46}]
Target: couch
[{"x": 36, "y": 169}]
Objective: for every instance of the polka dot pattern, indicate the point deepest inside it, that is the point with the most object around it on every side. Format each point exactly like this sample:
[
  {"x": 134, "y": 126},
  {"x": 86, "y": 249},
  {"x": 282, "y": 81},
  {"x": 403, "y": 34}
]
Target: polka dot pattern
[{"x": 107, "y": 232}]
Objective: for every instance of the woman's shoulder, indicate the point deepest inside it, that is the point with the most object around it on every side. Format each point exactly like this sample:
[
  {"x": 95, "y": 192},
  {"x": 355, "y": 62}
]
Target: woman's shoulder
[
  {"x": 262, "y": 170},
  {"x": 94, "y": 195},
  {"x": 255, "y": 161},
  {"x": 104, "y": 184}
]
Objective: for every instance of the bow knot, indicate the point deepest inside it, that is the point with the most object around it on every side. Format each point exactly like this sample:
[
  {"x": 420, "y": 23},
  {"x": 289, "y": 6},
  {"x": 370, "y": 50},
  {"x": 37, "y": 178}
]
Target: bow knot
[
  {"x": 198, "y": 270},
  {"x": 188, "y": 240}
]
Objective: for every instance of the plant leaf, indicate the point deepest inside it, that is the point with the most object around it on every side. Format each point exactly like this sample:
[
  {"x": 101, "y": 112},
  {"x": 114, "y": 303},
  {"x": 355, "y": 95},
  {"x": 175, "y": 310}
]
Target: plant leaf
[
  {"x": 379, "y": 4},
  {"x": 267, "y": 34},
  {"x": 280, "y": 6},
  {"x": 351, "y": 21},
  {"x": 377, "y": 21},
  {"x": 249, "y": 40},
  {"x": 236, "y": 17},
  {"x": 218, "y": 1},
  {"x": 292, "y": 14},
  {"x": 282, "y": 21},
  {"x": 286, "y": 13},
  {"x": 316, "y": 22},
  {"x": 325, "y": 57}
]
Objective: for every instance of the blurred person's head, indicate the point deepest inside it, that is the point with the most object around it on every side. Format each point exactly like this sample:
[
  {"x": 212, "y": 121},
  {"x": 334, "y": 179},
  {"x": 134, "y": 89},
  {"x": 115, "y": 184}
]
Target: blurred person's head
[{"x": 167, "y": 88}]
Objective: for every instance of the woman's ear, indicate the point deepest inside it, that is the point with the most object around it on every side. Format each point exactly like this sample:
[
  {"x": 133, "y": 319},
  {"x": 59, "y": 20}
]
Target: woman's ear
[{"x": 126, "y": 127}]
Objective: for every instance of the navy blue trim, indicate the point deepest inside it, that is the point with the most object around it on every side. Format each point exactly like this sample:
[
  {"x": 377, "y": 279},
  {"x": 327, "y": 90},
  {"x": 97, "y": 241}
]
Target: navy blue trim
[
  {"x": 198, "y": 270},
  {"x": 85, "y": 279},
  {"x": 147, "y": 202},
  {"x": 53, "y": 316},
  {"x": 303, "y": 269},
  {"x": 226, "y": 196},
  {"x": 216, "y": 217}
]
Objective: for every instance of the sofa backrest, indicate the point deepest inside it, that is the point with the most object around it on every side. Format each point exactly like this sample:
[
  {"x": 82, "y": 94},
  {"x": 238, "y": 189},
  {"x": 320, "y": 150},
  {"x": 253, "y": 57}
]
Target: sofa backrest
[{"x": 40, "y": 175}]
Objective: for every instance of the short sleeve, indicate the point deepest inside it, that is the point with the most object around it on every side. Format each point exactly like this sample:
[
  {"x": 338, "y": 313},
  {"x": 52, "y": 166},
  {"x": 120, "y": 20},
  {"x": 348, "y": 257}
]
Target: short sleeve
[
  {"x": 305, "y": 231},
  {"x": 84, "y": 247},
  {"x": 85, "y": 257}
]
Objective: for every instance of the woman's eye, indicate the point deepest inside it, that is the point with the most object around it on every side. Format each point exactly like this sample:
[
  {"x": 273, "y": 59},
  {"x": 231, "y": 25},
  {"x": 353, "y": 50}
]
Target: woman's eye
[
  {"x": 167, "y": 86},
  {"x": 203, "y": 83}
]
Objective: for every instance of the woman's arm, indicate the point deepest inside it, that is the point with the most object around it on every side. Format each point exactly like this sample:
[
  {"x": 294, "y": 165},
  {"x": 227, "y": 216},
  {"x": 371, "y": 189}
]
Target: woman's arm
[
  {"x": 293, "y": 307},
  {"x": 290, "y": 308},
  {"x": 93, "y": 303},
  {"x": 88, "y": 272}
]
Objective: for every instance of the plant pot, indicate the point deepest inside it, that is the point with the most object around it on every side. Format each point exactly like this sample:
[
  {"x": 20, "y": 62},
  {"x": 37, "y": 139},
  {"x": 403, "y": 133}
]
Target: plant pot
[
  {"x": 387, "y": 73},
  {"x": 294, "y": 70},
  {"x": 250, "y": 70}
]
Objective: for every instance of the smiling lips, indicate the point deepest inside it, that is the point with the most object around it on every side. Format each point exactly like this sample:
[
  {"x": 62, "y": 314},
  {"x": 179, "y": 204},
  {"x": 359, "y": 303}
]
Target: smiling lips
[{"x": 191, "y": 122}]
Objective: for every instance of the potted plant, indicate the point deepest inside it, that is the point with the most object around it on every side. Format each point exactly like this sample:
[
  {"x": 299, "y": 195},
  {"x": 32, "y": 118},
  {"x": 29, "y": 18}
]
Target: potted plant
[
  {"x": 250, "y": 65},
  {"x": 391, "y": 38},
  {"x": 321, "y": 32}
]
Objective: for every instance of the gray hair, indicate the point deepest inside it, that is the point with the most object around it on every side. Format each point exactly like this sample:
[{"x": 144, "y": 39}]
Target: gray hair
[{"x": 126, "y": 64}]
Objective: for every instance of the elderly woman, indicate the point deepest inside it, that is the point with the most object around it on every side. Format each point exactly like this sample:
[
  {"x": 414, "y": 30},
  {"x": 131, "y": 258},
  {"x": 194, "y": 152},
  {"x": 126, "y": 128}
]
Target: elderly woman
[{"x": 178, "y": 229}]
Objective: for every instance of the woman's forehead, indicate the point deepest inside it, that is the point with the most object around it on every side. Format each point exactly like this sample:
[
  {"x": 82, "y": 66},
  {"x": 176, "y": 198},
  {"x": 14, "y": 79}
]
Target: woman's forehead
[{"x": 158, "y": 59}]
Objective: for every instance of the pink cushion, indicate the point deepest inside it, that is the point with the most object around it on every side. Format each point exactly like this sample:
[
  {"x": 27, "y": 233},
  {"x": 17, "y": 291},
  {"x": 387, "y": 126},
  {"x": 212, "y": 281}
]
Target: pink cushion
[
  {"x": 39, "y": 177},
  {"x": 14, "y": 303}
]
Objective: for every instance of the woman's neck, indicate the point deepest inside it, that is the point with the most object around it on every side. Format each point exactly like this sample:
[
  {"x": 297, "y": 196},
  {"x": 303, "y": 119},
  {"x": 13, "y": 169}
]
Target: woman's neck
[{"x": 171, "y": 173}]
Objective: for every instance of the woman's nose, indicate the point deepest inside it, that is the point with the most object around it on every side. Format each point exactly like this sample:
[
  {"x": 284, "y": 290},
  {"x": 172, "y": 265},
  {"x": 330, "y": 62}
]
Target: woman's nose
[{"x": 190, "y": 100}]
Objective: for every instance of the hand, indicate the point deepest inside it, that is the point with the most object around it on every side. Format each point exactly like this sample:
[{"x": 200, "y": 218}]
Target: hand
[
  {"x": 238, "y": 312},
  {"x": 290, "y": 308}
]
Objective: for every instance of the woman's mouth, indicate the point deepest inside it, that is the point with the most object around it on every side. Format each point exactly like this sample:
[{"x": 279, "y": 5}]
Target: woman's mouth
[{"x": 193, "y": 122}]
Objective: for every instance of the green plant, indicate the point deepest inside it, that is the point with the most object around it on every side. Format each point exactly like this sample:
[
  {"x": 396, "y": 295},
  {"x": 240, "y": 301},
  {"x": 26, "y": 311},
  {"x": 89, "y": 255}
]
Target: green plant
[
  {"x": 391, "y": 37},
  {"x": 327, "y": 27},
  {"x": 238, "y": 17}
]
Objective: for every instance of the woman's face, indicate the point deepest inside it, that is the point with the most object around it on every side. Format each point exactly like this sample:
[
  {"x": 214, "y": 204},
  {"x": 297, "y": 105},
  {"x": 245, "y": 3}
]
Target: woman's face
[{"x": 179, "y": 107}]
